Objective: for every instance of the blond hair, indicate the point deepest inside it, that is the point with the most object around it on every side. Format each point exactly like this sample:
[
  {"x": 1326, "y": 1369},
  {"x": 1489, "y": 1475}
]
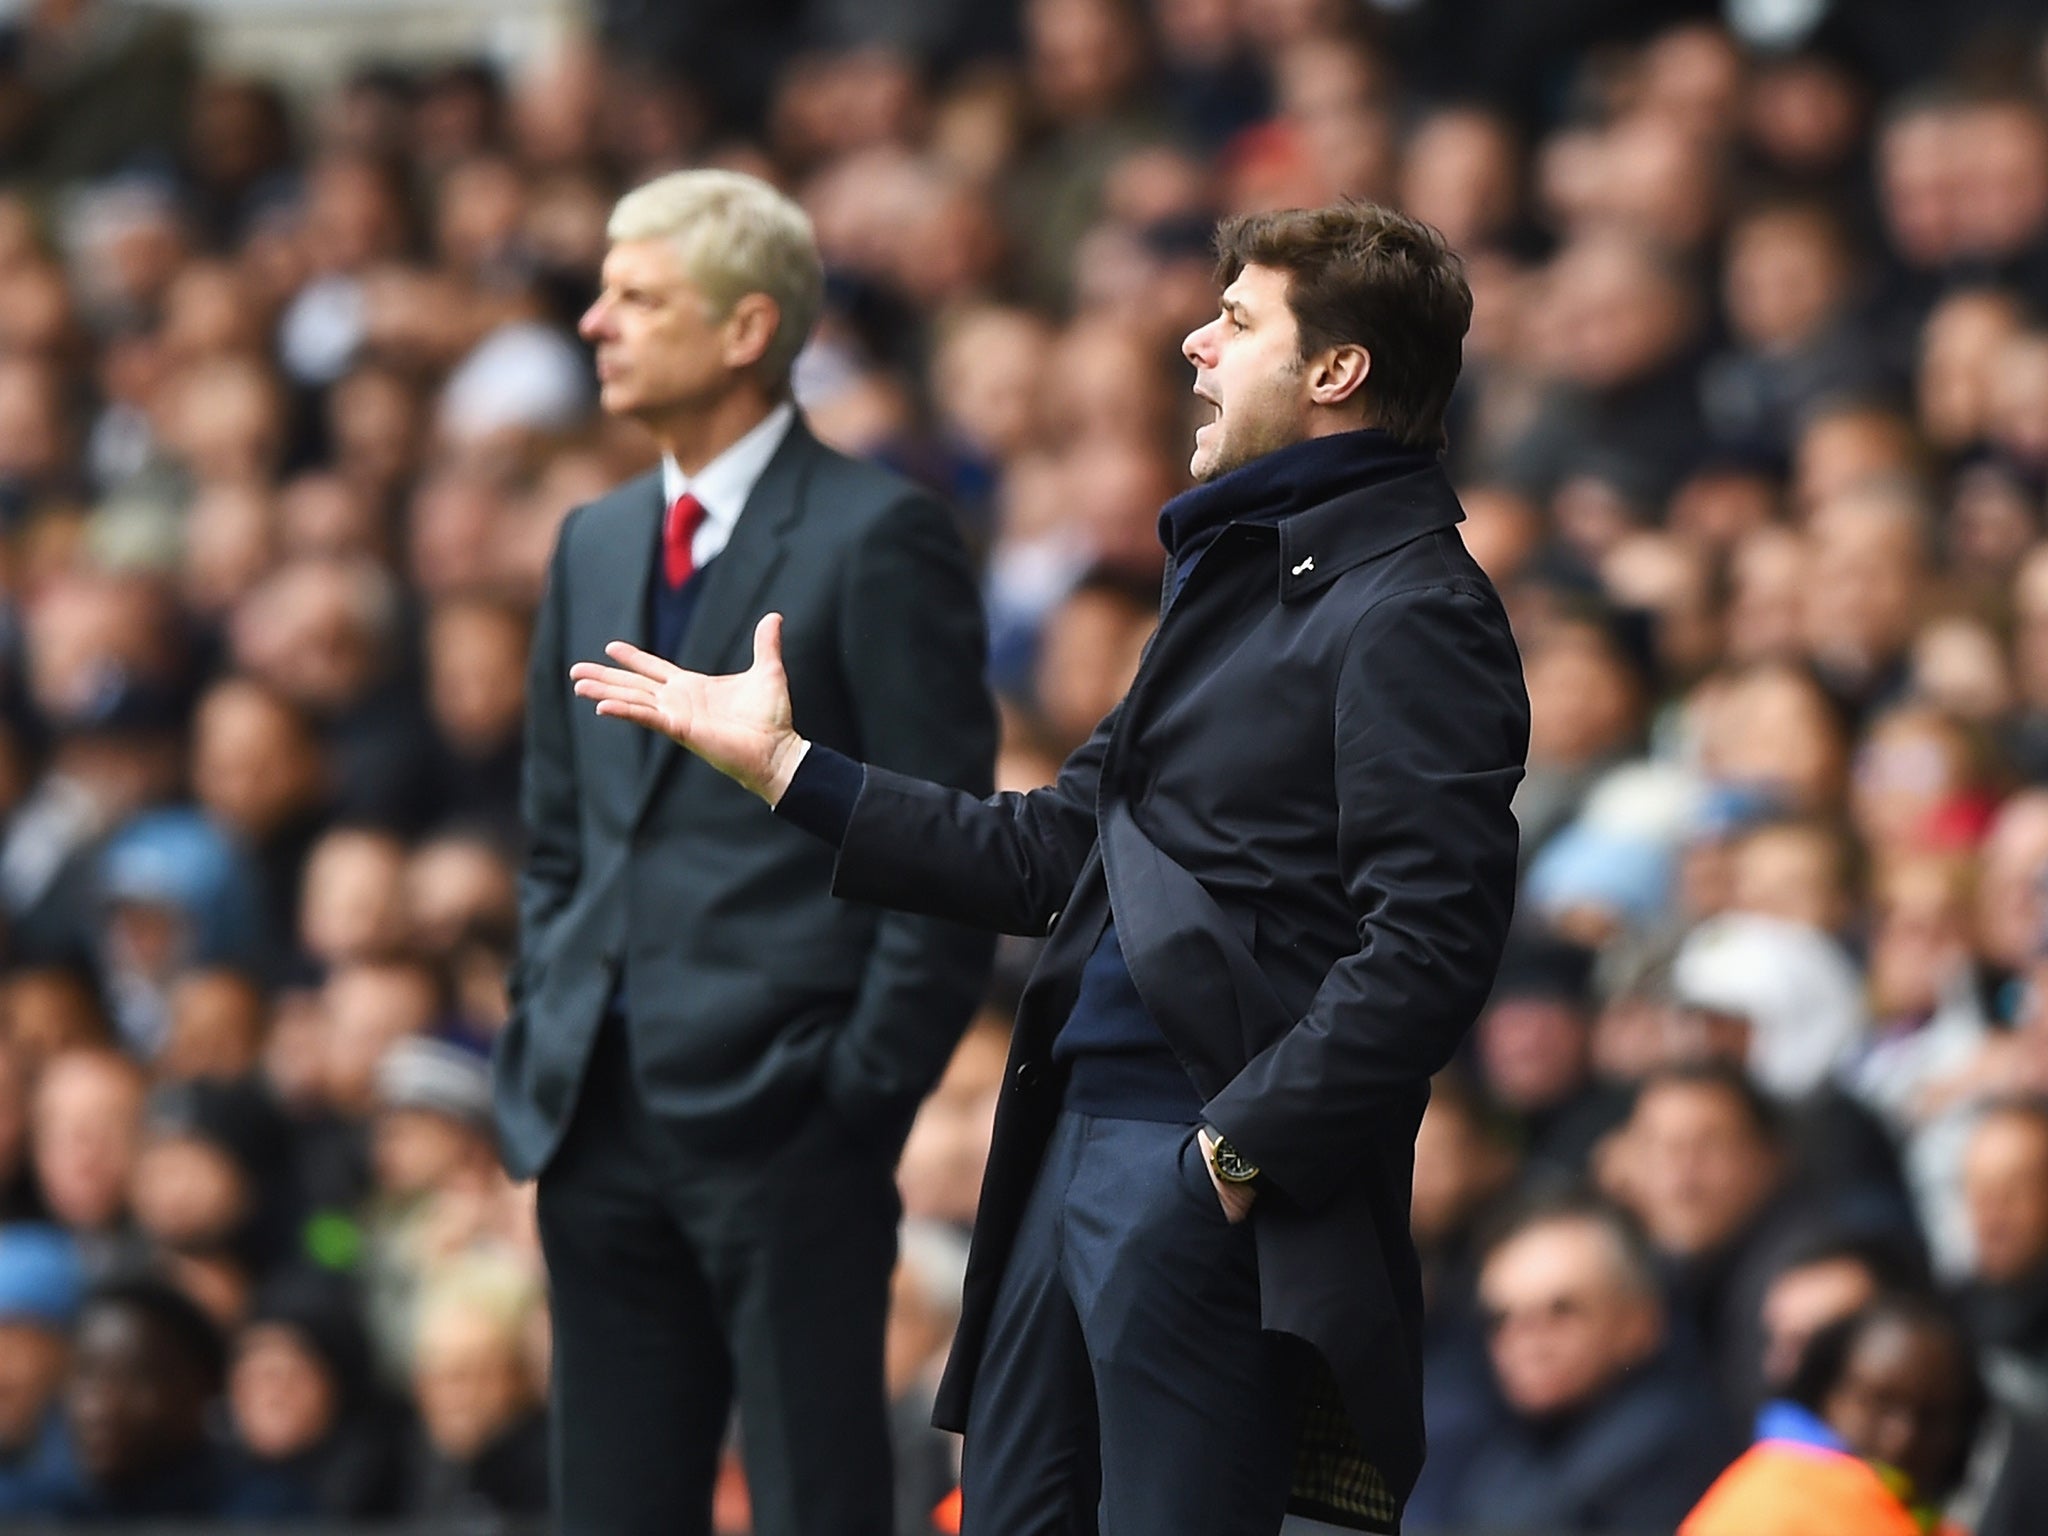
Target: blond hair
[{"x": 736, "y": 235}]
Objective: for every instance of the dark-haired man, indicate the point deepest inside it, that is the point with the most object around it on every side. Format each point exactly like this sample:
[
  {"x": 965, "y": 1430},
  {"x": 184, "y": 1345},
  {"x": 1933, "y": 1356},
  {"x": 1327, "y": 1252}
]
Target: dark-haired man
[
  {"x": 147, "y": 1365},
  {"x": 1277, "y": 881},
  {"x": 1704, "y": 1166}
]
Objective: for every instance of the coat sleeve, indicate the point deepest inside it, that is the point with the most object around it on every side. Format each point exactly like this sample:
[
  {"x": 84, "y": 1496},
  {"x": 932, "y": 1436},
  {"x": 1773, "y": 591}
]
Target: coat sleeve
[
  {"x": 553, "y": 860},
  {"x": 1006, "y": 863},
  {"x": 1431, "y": 734},
  {"x": 912, "y": 642}
]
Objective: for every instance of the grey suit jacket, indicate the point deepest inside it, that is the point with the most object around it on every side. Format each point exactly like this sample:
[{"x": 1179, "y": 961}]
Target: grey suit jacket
[{"x": 751, "y": 994}]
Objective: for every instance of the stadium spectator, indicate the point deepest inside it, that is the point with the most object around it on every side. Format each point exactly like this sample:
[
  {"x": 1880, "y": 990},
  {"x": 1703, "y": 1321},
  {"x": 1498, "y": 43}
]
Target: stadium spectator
[
  {"x": 2005, "y": 1295},
  {"x": 1606, "y": 1429},
  {"x": 482, "y": 1446},
  {"x": 1874, "y": 1430},
  {"x": 1534, "y": 1045},
  {"x": 1749, "y": 434},
  {"x": 85, "y": 1129},
  {"x": 147, "y": 1368},
  {"x": 1701, "y": 1163},
  {"x": 306, "y": 1403},
  {"x": 40, "y": 1285}
]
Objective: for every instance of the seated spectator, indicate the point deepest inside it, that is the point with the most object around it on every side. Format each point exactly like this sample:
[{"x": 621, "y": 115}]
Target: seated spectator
[
  {"x": 1088, "y": 650},
  {"x": 258, "y": 772},
  {"x": 40, "y": 1281},
  {"x": 148, "y": 1368},
  {"x": 1606, "y": 1429},
  {"x": 1927, "y": 1028},
  {"x": 1872, "y": 1433},
  {"x": 483, "y": 1441},
  {"x": 364, "y": 1009},
  {"x": 50, "y": 1009},
  {"x": 85, "y": 1131},
  {"x": 325, "y": 632},
  {"x": 176, "y": 895},
  {"x": 1775, "y": 733},
  {"x": 1821, "y": 1281},
  {"x": 214, "y": 1181},
  {"x": 1535, "y": 1051},
  {"x": 1794, "y": 870},
  {"x": 453, "y": 883},
  {"x": 1783, "y": 1003},
  {"x": 352, "y": 906},
  {"x": 433, "y": 1147},
  {"x": 1788, "y": 289},
  {"x": 476, "y": 699},
  {"x": 219, "y": 1018},
  {"x": 2005, "y": 1295},
  {"x": 305, "y": 1401},
  {"x": 1702, "y": 1165},
  {"x": 1585, "y": 712},
  {"x": 1918, "y": 784}
]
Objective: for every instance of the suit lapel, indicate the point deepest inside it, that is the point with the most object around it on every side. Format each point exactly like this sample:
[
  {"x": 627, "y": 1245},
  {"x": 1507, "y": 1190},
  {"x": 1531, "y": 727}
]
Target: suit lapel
[
  {"x": 617, "y": 567},
  {"x": 719, "y": 637}
]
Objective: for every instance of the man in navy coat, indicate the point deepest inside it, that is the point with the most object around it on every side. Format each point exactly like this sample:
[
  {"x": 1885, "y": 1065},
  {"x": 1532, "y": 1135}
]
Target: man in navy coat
[{"x": 1276, "y": 881}]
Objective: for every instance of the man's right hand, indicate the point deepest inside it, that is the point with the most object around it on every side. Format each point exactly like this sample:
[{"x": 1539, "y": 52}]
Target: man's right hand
[{"x": 739, "y": 724}]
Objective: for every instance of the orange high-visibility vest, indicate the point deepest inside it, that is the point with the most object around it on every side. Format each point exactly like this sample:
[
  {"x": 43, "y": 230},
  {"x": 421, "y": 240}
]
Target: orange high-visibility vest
[{"x": 1783, "y": 1488}]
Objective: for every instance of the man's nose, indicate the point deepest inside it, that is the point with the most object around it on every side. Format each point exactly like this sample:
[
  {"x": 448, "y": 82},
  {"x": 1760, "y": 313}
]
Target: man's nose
[
  {"x": 1196, "y": 343},
  {"x": 593, "y": 321}
]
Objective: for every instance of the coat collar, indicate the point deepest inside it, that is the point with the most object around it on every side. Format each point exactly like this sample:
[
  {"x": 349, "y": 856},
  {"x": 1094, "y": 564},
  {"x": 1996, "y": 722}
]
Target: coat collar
[{"x": 1319, "y": 544}]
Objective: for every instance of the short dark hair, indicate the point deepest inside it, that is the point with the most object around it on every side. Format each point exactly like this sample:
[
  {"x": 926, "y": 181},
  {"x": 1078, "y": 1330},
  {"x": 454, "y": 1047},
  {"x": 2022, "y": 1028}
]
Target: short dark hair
[
  {"x": 1826, "y": 1357},
  {"x": 1572, "y": 1204},
  {"x": 1366, "y": 275},
  {"x": 1726, "y": 1078},
  {"x": 180, "y": 1320},
  {"x": 1894, "y": 1261}
]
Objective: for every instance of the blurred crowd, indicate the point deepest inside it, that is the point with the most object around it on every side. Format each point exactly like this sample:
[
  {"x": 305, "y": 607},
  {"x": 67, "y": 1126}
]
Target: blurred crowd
[{"x": 1752, "y": 434}]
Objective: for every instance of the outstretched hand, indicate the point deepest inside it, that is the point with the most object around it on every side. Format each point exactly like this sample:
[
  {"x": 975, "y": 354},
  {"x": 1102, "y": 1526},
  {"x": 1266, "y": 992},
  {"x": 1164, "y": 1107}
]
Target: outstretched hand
[{"x": 740, "y": 724}]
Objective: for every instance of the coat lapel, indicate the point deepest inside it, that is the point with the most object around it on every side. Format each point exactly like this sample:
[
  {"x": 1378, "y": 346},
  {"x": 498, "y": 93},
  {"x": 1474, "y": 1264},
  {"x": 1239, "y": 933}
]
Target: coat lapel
[{"x": 719, "y": 638}]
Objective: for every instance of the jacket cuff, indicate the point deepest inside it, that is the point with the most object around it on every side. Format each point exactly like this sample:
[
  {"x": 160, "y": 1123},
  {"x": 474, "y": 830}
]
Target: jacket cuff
[{"x": 821, "y": 794}]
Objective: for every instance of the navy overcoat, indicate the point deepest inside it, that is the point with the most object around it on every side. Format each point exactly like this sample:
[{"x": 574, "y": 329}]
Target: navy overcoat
[{"x": 1300, "y": 815}]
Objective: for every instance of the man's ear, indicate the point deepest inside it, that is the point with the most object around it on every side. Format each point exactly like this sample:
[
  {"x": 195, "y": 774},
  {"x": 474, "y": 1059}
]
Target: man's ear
[
  {"x": 750, "y": 330},
  {"x": 1336, "y": 376}
]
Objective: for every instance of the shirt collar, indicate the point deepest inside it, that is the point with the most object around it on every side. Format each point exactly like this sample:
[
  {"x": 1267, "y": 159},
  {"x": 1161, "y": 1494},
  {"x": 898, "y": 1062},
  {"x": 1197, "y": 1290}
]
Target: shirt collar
[{"x": 724, "y": 484}]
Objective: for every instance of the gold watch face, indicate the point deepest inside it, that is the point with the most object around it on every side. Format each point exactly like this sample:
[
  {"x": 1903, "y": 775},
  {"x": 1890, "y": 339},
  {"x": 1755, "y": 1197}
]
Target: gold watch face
[{"x": 1231, "y": 1165}]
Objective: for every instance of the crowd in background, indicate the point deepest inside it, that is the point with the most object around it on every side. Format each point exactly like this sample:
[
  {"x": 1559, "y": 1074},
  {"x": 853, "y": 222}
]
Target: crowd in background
[{"x": 1752, "y": 435}]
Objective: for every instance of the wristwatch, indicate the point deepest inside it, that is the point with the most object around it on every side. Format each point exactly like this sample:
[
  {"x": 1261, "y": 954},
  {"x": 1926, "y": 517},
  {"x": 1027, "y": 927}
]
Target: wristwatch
[{"x": 1231, "y": 1165}]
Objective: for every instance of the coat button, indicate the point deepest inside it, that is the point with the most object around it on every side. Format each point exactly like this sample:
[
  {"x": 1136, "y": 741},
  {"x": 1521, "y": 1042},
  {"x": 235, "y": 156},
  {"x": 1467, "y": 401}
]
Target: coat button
[{"x": 1026, "y": 1076}]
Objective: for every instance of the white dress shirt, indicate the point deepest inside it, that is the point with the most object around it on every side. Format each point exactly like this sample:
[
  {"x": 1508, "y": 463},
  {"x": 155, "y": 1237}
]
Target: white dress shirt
[{"x": 724, "y": 484}]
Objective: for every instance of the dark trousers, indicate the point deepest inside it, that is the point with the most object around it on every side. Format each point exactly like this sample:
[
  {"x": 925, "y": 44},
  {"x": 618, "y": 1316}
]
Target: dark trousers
[
  {"x": 1125, "y": 1385},
  {"x": 680, "y": 1282}
]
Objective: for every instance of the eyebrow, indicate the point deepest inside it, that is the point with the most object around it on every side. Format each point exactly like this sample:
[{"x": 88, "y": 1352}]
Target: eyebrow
[{"x": 1235, "y": 310}]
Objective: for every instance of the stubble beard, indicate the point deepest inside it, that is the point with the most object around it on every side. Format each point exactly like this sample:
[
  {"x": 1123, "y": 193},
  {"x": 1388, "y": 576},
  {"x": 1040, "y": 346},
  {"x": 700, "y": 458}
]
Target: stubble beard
[{"x": 1258, "y": 433}]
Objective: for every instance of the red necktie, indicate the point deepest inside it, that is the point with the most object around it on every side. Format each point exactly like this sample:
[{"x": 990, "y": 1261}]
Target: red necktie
[{"x": 684, "y": 519}]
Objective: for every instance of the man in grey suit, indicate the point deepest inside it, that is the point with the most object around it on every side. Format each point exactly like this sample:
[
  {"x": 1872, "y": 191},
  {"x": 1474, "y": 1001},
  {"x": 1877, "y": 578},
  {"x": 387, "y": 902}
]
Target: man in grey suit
[{"x": 711, "y": 1063}]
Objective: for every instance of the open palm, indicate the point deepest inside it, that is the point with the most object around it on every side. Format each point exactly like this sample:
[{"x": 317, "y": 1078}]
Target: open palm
[{"x": 740, "y": 724}]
